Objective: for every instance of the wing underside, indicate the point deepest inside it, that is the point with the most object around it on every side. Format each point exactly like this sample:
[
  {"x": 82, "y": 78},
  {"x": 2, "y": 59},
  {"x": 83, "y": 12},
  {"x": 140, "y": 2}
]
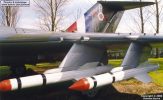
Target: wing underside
[
  {"x": 28, "y": 48},
  {"x": 90, "y": 38}
]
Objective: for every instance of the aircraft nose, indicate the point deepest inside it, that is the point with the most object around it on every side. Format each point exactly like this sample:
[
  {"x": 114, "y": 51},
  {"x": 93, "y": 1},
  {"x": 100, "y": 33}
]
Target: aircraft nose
[{"x": 5, "y": 85}]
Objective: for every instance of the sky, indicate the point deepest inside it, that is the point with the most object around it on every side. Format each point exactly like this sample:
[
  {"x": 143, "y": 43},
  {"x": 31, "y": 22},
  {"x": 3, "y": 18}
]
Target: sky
[{"x": 29, "y": 16}]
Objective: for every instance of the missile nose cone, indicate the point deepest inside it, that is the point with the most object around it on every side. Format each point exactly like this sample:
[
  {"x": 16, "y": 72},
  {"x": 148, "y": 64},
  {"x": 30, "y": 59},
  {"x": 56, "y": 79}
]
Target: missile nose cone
[
  {"x": 5, "y": 85},
  {"x": 81, "y": 85}
]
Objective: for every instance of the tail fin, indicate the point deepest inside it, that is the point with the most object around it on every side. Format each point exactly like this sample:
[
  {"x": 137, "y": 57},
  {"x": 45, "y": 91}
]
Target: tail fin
[
  {"x": 104, "y": 16},
  {"x": 145, "y": 78}
]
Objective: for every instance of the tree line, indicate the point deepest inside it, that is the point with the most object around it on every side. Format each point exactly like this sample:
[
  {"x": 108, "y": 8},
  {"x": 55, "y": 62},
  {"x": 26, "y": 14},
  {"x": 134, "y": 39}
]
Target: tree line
[{"x": 50, "y": 14}]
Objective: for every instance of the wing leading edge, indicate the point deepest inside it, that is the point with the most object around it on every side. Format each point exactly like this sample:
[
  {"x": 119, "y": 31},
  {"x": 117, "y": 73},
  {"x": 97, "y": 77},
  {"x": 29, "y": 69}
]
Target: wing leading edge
[{"x": 91, "y": 38}]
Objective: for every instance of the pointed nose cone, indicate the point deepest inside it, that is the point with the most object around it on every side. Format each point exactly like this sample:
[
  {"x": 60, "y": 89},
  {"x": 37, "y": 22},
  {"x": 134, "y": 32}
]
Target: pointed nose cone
[
  {"x": 81, "y": 85},
  {"x": 5, "y": 85}
]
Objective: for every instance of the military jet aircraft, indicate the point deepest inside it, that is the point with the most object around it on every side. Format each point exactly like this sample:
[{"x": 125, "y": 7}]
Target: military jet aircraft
[{"x": 86, "y": 43}]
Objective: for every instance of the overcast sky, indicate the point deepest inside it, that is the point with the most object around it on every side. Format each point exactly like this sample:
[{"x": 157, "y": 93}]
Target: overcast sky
[{"x": 29, "y": 17}]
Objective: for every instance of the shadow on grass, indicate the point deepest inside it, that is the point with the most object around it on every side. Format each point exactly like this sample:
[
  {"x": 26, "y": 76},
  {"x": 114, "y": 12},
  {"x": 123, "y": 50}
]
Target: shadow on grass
[{"x": 55, "y": 93}]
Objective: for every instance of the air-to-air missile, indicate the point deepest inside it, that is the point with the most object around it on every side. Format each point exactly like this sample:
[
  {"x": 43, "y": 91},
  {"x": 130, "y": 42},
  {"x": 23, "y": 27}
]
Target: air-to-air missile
[
  {"x": 88, "y": 83},
  {"x": 44, "y": 79}
]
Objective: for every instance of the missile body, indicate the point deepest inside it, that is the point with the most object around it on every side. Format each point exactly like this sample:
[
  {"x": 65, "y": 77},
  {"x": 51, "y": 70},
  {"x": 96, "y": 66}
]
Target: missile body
[
  {"x": 108, "y": 78},
  {"x": 44, "y": 79}
]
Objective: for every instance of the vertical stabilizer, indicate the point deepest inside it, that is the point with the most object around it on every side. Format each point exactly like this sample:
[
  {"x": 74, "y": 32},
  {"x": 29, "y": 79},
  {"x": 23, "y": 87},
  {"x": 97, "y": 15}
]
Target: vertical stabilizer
[
  {"x": 97, "y": 19},
  {"x": 104, "y": 16}
]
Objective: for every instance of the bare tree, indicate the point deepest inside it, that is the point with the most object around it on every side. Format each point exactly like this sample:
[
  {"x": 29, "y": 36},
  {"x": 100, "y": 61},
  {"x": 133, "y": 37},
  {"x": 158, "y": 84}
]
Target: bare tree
[
  {"x": 78, "y": 14},
  {"x": 157, "y": 25},
  {"x": 50, "y": 13},
  {"x": 158, "y": 10},
  {"x": 141, "y": 19},
  {"x": 9, "y": 16},
  {"x": 158, "y": 13}
]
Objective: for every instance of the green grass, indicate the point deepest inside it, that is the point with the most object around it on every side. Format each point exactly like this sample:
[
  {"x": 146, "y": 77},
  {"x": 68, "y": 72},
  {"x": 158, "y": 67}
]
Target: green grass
[
  {"x": 157, "y": 61},
  {"x": 4, "y": 71},
  {"x": 44, "y": 65},
  {"x": 116, "y": 62},
  {"x": 157, "y": 76}
]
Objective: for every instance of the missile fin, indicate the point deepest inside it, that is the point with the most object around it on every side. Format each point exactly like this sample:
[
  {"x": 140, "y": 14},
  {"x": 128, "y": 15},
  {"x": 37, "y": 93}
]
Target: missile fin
[{"x": 145, "y": 78}]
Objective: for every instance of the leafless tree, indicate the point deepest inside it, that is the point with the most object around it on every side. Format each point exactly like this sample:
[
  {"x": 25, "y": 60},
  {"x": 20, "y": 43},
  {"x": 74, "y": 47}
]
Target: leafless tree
[
  {"x": 9, "y": 16},
  {"x": 78, "y": 14},
  {"x": 51, "y": 13},
  {"x": 157, "y": 17},
  {"x": 157, "y": 13},
  {"x": 140, "y": 17}
]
